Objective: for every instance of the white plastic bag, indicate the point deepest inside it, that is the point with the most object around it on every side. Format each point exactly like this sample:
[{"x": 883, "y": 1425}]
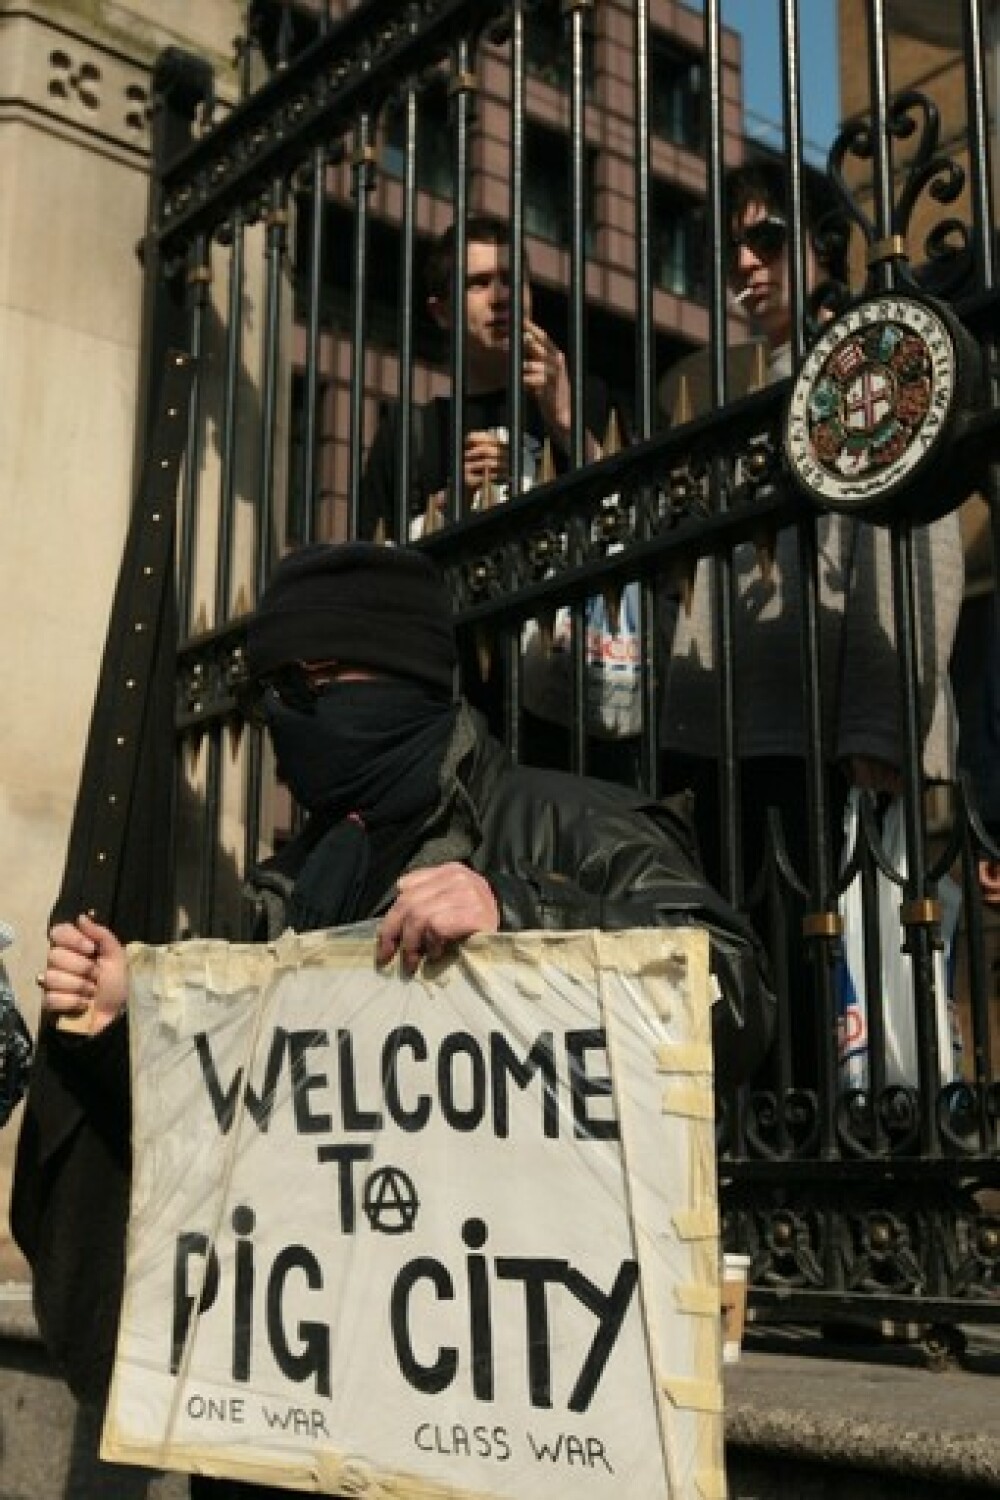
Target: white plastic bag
[
  {"x": 612, "y": 671},
  {"x": 898, "y": 1000}
]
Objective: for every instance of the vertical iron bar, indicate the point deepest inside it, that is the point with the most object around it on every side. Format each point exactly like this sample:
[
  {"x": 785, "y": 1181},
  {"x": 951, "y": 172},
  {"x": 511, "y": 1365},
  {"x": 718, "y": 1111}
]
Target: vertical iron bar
[
  {"x": 919, "y": 938},
  {"x": 795, "y": 208},
  {"x": 225, "y": 559},
  {"x": 199, "y": 279},
  {"x": 730, "y": 862},
  {"x": 312, "y": 393},
  {"x": 266, "y": 530},
  {"x": 645, "y": 347},
  {"x": 882, "y": 274},
  {"x": 362, "y": 186},
  {"x": 266, "y": 537},
  {"x": 198, "y": 284},
  {"x": 517, "y": 256},
  {"x": 576, "y": 13},
  {"x": 228, "y": 438},
  {"x": 462, "y": 95},
  {"x": 980, "y": 143},
  {"x": 224, "y": 567},
  {"x": 407, "y": 251},
  {"x": 807, "y": 538},
  {"x": 207, "y": 865},
  {"x": 314, "y": 314},
  {"x": 981, "y": 155},
  {"x": 274, "y": 253},
  {"x": 778, "y": 950},
  {"x": 515, "y": 391},
  {"x": 577, "y": 351},
  {"x": 718, "y": 228},
  {"x": 645, "y": 378},
  {"x": 981, "y": 1049},
  {"x": 873, "y": 939}
]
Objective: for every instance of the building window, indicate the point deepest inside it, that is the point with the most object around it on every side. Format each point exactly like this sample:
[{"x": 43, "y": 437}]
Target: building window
[
  {"x": 679, "y": 243},
  {"x": 548, "y": 53},
  {"x": 435, "y": 165},
  {"x": 547, "y": 207},
  {"x": 676, "y": 94}
]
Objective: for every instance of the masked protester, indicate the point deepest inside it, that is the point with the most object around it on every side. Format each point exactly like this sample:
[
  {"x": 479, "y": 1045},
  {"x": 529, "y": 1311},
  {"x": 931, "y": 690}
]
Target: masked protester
[{"x": 415, "y": 816}]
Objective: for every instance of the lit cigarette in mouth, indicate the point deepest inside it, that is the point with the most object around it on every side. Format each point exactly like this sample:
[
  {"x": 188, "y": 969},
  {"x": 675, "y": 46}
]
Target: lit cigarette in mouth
[{"x": 739, "y": 297}]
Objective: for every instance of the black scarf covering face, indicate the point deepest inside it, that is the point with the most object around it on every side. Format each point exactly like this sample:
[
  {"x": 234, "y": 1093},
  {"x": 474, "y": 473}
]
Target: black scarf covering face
[{"x": 366, "y": 764}]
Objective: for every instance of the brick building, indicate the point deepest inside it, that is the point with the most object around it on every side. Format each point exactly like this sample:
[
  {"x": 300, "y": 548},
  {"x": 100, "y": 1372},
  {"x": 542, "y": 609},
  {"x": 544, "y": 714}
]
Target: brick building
[{"x": 678, "y": 188}]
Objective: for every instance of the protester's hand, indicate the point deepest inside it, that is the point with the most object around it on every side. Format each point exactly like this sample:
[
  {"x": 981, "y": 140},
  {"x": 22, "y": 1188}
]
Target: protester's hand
[
  {"x": 546, "y": 377},
  {"x": 873, "y": 775},
  {"x": 85, "y": 971},
  {"x": 434, "y": 909},
  {"x": 487, "y": 457},
  {"x": 989, "y": 880}
]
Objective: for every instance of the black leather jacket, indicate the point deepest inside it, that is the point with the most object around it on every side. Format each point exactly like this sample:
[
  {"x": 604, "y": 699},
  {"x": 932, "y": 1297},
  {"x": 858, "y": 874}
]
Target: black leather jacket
[{"x": 568, "y": 852}]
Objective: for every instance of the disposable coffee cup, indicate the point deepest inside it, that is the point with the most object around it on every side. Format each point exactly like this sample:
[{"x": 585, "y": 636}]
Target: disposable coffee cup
[
  {"x": 497, "y": 490},
  {"x": 735, "y": 1271},
  {"x": 502, "y": 436}
]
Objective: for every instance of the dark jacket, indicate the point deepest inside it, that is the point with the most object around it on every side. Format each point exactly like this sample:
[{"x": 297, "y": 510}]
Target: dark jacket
[
  {"x": 566, "y": 853},
  {"x": 561, "y": 852}
]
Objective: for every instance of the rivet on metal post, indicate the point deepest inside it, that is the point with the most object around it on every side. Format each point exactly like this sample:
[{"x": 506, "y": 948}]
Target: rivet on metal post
[
  {"x": 920, "y": 913},
  {"x": 463, "y": 82},
  {"x": 893, "y": 247},
  {"x": 828, "y": 924}
]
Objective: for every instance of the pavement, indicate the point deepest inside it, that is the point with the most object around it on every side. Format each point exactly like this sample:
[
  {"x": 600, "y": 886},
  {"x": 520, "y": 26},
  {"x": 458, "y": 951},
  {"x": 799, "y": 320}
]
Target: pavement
[
  {"x": 805, "y": 1416},
  {"x": 871, "y": 1403}
]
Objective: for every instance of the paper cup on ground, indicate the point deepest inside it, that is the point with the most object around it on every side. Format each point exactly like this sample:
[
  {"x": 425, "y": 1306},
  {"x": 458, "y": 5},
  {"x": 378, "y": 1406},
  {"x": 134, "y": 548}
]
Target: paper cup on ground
[{"x": 735, "y": 1271}]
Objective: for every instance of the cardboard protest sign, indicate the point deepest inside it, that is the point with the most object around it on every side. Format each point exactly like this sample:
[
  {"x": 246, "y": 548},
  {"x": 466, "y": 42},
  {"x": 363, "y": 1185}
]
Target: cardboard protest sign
[{"x": 449, "y": 1235}]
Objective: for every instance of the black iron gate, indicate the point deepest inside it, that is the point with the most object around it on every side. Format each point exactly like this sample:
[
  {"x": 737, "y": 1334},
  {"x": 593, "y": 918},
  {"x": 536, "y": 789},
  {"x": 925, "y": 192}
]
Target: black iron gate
[{"x": 283, "y": 299}]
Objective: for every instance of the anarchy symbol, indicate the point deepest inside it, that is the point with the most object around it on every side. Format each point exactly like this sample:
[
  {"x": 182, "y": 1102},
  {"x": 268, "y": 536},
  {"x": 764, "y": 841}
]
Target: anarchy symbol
[{"x": 391, "y": 1201}]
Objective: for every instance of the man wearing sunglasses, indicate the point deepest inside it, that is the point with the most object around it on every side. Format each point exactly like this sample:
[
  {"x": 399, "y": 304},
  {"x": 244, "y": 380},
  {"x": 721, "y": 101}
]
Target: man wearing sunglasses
[
  {"x": 415, "y": 817},
  {"x": 859, "y": 686}
]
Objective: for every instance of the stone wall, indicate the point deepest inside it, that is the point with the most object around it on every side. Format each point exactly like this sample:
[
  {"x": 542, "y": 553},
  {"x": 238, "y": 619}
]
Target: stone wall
[{"x": 74, "y": 140}]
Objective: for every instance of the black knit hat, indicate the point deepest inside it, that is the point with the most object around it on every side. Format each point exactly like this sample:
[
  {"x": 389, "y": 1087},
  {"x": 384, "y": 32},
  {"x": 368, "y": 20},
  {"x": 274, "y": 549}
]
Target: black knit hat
[{"x": 360, "y": 604}]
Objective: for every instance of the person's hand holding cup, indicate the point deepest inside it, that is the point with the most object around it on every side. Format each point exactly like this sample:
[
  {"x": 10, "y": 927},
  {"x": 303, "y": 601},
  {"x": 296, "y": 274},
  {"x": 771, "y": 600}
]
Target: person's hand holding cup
[{"x": 487, "y": 466}]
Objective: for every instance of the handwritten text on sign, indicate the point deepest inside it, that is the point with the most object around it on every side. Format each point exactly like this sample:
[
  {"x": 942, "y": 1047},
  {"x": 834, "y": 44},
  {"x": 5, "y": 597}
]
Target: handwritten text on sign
[{"x": 452, "y": 1235}]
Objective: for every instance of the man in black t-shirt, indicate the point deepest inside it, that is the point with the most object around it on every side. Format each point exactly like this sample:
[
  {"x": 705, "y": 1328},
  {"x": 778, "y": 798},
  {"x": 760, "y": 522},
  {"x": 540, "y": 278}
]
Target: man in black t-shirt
[
  {"x": 547, "y": 417},
  {"x": 547, "y": 405}
]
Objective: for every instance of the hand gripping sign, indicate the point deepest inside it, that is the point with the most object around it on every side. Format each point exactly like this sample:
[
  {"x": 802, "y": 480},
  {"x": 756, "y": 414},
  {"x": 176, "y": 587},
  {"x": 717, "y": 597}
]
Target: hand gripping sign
[{"x": 449, "y": 1235}]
